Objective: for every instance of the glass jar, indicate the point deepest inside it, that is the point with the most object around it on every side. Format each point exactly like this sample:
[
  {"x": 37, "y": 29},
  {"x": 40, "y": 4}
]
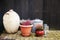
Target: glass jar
[
  {"x": 37, "y": 23},
  {"x": 46, "y": 29}
]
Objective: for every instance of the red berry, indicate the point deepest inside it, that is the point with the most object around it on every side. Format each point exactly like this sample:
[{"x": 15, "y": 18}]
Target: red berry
[{"x": 39, "y": 33}]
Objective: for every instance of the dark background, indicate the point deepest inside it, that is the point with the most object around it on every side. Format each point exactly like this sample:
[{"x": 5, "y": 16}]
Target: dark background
[{"x": 47, "y": 10}]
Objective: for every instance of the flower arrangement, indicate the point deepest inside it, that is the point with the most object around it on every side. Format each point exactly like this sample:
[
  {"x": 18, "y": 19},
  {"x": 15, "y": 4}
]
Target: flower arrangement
[
  {"x": 26, "y": 27},
  {"x": 26, "y": 22}
]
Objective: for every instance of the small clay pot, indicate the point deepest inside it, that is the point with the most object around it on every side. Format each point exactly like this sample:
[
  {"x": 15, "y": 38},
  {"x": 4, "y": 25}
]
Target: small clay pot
[{"x": 26, "y": 30}]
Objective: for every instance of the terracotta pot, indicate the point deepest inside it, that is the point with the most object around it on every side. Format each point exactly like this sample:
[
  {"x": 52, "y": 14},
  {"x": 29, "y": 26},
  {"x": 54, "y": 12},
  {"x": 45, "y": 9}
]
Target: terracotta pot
[{"x": 26, "y": 30}]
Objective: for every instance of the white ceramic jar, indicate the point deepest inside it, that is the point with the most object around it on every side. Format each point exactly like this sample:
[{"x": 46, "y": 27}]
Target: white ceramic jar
[{"x": 11, "y": 21}]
